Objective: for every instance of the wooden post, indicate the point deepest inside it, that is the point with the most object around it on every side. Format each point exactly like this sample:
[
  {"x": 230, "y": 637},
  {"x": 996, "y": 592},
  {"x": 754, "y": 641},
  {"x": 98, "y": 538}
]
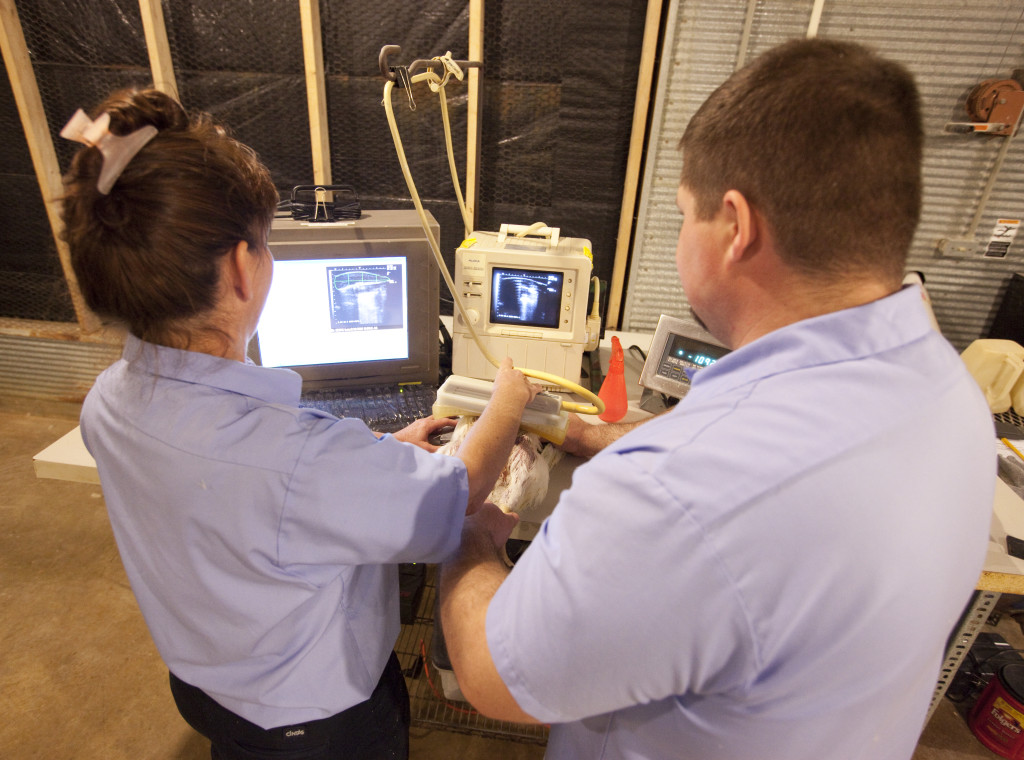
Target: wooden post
[
  {"x": 316, "y": 94},
  {"x": 159, "y": 50},
  {"x": 636, "y": 147},
  {"x": 474, "y": 106},
  {"x": 812, "y": 25}
]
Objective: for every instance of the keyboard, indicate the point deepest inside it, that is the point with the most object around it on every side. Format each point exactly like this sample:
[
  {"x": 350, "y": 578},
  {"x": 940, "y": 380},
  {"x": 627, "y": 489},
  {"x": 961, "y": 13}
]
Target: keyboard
[{"x": 384, "y": 408}]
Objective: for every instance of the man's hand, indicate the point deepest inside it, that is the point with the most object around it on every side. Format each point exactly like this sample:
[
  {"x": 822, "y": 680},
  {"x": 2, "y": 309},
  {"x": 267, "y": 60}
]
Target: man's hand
[{"x": 489, "y": 521}]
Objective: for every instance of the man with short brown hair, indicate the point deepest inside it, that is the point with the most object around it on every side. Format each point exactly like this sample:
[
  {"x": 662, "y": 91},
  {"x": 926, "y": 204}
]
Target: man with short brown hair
[{"x": 770, "y": 570}]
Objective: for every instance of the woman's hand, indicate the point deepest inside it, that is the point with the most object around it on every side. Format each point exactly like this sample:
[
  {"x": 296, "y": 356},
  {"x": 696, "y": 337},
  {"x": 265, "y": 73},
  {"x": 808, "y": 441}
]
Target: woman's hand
[
  {"x": 418, "y": 433},
  {"x": 512, "y": 386}
]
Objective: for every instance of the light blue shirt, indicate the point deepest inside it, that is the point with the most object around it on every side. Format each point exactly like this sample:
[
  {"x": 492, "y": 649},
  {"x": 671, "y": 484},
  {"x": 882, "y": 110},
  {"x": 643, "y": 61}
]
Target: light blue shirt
[
  {"x": 772, "y": 569},
  {"x": 261, "y": 540}
]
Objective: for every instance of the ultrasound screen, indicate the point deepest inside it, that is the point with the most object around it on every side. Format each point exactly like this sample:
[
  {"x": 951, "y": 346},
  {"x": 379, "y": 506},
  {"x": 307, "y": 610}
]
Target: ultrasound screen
[{"x": 525, "y": 297}]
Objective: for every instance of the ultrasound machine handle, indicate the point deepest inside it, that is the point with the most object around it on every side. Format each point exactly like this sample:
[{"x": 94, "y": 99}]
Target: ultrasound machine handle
[{"x": 537, "y": 229}]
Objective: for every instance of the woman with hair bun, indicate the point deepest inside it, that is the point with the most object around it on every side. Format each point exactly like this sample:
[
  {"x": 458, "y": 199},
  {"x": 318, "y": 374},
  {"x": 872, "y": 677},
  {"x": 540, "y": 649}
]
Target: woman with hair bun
[{"x": 261, "y": 539}]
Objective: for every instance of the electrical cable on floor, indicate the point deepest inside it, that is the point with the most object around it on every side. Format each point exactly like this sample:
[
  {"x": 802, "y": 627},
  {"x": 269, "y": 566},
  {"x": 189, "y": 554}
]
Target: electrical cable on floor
[{"x": 433, "y": 688}]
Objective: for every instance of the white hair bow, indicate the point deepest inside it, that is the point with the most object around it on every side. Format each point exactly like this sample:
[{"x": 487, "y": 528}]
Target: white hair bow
[{"x": 117, "y": 151}]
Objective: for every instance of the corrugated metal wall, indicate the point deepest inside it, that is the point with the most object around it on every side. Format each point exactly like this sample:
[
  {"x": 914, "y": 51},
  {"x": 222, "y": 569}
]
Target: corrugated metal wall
[
  {"x": 949, "y": 45},
  {"x": 58, "y": 370}
]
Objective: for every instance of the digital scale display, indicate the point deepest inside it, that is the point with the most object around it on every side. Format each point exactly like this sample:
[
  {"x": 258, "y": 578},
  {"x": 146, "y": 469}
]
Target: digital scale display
[
  {"x": 683, "y": 353},
  {"x": 673, "y": 353}
]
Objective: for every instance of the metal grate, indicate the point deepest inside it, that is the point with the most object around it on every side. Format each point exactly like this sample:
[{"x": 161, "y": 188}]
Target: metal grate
[
  {"x": 430, "y": 708},
  {"x": 1012, "y": 418}
]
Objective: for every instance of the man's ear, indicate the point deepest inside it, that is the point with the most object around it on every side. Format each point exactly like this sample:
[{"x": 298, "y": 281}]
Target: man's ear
[
  {"x": 239, "y": 272},
  {"x": 744, "y": 226}
]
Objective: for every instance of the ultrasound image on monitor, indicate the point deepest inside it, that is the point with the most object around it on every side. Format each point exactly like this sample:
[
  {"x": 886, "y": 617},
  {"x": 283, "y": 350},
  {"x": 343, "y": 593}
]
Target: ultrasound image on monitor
[
  {"x": 525, "y": 297},
  {"x": 365, "y": 297}
]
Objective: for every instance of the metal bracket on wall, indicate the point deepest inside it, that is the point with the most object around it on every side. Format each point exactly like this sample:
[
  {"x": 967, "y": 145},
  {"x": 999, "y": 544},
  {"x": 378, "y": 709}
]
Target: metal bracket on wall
[
  {"x": 434, "y": 64},
  {"x": 981, "y": 606},
  {"x": 956, "y": 247}
]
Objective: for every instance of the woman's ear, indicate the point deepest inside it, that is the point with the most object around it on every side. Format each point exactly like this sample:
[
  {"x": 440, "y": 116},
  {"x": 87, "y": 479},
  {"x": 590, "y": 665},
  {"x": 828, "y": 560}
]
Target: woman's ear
[{"x": 239, "y": 271}]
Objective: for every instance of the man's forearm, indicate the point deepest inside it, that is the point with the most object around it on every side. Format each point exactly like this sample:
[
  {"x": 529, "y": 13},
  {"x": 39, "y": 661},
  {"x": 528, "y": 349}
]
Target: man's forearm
[
  {"x": 469, "y": 580},
  {"x": 586, "y": 440}
]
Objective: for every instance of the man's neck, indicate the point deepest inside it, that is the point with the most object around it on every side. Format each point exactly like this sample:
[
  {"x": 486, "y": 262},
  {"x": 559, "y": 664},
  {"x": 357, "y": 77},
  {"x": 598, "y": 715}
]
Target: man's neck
[{"x": 770, "y": 310}]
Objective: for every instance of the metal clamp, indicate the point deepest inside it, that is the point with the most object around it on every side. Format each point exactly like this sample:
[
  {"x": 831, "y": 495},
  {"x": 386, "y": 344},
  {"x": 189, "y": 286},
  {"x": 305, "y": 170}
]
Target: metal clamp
[{"x": 437, "y": 65}]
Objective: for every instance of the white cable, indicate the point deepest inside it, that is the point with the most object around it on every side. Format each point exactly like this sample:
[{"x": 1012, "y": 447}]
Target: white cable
[
  {"x": 812, "y": 26},
  {"x": 451, "y": 161},
  {"x": 434, "y": 245}
]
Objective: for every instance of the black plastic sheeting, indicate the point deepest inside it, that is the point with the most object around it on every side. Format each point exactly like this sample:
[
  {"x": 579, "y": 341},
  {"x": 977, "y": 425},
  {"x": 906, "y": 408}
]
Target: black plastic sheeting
[{"x": 559, "y": 85}]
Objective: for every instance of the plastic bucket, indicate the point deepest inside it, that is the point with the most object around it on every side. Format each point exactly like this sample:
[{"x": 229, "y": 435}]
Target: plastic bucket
[{"x": 997, "y": 718}]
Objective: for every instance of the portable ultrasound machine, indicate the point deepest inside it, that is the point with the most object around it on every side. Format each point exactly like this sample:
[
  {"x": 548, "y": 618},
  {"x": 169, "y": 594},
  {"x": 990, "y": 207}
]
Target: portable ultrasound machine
[{"x": 526, "y": 296}]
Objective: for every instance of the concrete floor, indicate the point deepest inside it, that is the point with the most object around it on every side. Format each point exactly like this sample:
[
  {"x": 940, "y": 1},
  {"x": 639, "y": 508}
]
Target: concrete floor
[{"x": 79, "y": 676}]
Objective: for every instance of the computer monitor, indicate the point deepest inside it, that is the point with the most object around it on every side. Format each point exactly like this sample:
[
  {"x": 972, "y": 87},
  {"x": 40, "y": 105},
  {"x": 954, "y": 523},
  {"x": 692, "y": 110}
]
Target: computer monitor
[
  {"x": 527, "y": 298},
  {"x": 352, "y": 302}
]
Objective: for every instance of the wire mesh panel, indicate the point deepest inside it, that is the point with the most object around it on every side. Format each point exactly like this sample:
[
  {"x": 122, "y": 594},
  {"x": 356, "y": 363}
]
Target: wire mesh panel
[
  {"x": 79, "y": 51},
  {"x": 362, "y": 152},
  {"x": 82, "y": 51},
  {"x": 32, "y": 284},
  {"x": 559, "y": 84},
  {"x": 558, "y": 92},
  {"x": 243, "y": 63},
  {"x": 559, "y": 89}
]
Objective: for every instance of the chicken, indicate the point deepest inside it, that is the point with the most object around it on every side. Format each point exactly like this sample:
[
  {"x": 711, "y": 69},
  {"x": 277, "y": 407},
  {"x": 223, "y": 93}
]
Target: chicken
[{"x": 523, "y": 483}]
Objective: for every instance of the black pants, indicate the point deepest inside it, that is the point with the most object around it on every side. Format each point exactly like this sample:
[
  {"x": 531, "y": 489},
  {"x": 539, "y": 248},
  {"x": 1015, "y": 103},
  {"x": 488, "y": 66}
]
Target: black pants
[{"x": 377, "y": 729}]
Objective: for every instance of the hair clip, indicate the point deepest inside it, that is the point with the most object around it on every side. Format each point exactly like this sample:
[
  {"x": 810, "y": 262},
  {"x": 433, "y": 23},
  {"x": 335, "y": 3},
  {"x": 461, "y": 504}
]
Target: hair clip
[{"x": 117, "y": 151}]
